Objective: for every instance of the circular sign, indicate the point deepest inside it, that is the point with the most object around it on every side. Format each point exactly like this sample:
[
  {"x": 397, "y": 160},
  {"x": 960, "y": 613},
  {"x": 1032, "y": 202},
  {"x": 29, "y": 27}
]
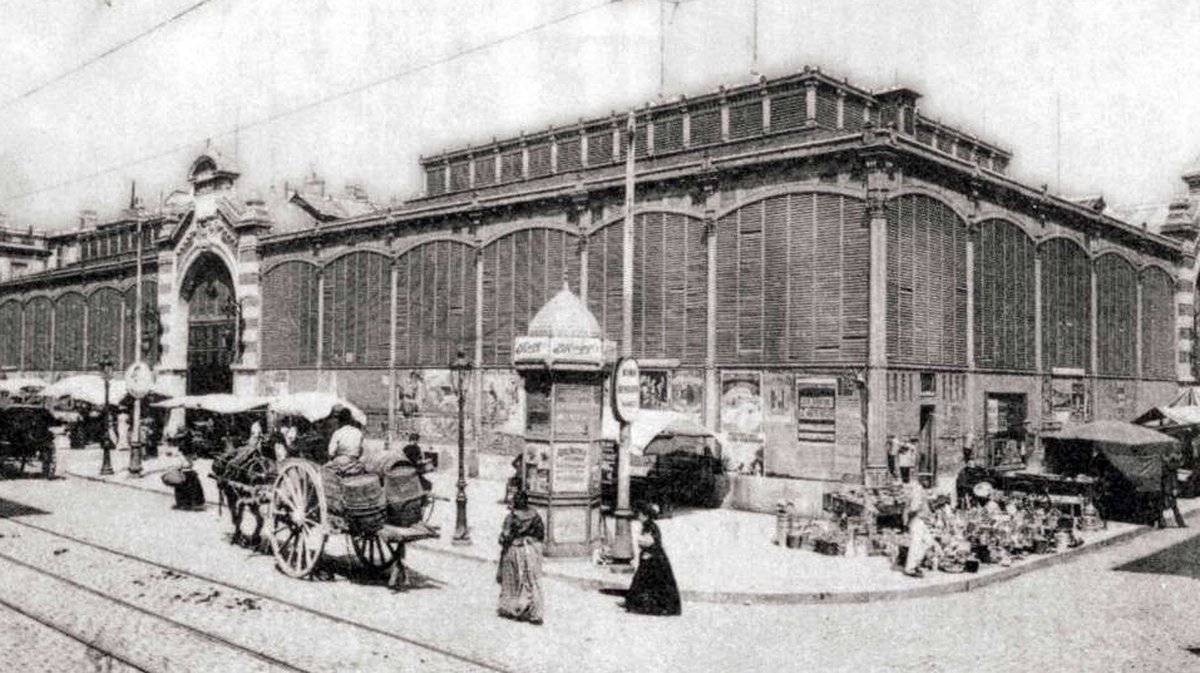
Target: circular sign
[
  {"x": 138, "y": 379},
  {"x": 627, "y": 390}
]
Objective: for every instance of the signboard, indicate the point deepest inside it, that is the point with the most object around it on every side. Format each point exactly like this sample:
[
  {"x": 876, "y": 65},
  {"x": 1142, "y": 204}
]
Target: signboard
[
  {"x": 549, "y": 351},
  {"x": 571, "y": 473},
  {"x": 627, "y": 390},
  {"x": 139, "y": 378}
]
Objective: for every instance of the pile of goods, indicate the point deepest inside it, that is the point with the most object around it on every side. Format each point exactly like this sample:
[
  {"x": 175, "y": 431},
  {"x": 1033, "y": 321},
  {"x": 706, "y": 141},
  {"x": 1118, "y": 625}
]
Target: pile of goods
[{"x": 389, "y": 491}]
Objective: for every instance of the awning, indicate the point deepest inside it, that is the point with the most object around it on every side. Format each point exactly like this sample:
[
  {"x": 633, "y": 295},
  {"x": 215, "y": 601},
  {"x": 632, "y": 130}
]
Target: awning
[
  {"x": 313, "y": 406},
  {"x": 17, "y": 385},
  {"x": 1170, "y": 416},
  {"x": 217, "y": 403},
  {"x": 1138, "y": 453}
]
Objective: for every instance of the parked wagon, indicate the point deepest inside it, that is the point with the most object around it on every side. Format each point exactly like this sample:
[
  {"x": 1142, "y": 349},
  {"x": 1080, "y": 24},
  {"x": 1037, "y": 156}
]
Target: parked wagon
[{"x": 25, "y": 437}]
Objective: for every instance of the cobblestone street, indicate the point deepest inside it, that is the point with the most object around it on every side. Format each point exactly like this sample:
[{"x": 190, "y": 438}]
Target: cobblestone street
[{"x": 1118, "y": 609}]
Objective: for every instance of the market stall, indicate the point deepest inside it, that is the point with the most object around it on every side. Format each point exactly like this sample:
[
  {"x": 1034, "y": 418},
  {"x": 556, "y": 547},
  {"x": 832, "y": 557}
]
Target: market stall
[{"x": 1127, "y": 460}]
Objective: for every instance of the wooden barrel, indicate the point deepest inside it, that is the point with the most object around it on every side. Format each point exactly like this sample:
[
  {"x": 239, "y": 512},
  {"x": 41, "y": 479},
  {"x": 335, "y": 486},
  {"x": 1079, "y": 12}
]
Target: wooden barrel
[
  {"x": 402, "y": 486},
  {"x": 365, "y": 505}
]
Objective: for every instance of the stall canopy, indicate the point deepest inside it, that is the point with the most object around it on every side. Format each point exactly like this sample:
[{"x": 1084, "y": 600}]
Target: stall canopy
[
  {"x": 313, "y": 406},
  {"x": 1165, "y": 417},
  {"x": 217, "y": 403},
  {"x": 89, "y": 388},
  {"x": 18, "y": 385},
  {"x": 1136, "y": 452}
]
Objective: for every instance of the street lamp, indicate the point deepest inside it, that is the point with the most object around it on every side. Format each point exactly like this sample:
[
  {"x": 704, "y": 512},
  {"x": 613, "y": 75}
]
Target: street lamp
[
  {"x": 460, "y": 369},
  {"x": 105, "y": 363}
]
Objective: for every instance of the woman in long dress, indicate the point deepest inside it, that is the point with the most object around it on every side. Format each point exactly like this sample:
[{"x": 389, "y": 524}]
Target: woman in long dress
[
  {"x": 653, "y": 590},
  {"x": 520, "y": 574}
]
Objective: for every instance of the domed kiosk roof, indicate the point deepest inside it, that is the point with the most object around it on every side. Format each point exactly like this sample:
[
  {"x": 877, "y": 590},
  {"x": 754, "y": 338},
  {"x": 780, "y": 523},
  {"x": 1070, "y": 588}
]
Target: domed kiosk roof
[
  {"x": 562, "y": 335},
  {"x": 565, "y": 315}
]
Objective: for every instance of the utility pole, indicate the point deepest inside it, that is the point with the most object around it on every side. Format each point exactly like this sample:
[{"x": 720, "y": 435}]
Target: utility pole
[{"x": 622, "y": 547}]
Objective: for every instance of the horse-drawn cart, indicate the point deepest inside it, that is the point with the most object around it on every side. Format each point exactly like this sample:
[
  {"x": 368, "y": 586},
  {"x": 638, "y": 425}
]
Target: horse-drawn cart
[
  {"x": 308, "y": 503},
  {"x": 25, "y": 436}
]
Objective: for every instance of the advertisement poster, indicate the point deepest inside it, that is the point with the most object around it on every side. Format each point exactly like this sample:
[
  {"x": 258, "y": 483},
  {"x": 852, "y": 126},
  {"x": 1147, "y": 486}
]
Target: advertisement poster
[
  {"x": 816, "y": 409},
  {"x": 777, "y": 396},
  {"x": 742, "y": 418},
  {"x": 426, "y": 403},
  {"x": 571, "y": 472},
  {"x": 576, "y": 411},
  {"x": 655, "y": 393},
  {"x": 687, "y": 393}
]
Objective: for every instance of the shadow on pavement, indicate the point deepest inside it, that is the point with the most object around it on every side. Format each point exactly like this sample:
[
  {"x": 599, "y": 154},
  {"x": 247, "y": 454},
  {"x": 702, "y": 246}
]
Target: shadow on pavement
[
  {"x": 10, "y": 509},
  {"x": 1182, "y": 559}
]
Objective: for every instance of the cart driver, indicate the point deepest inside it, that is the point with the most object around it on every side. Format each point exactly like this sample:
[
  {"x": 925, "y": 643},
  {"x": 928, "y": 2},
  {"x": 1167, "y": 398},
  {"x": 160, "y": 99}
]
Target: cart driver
[{"x": 345, "y": 446}]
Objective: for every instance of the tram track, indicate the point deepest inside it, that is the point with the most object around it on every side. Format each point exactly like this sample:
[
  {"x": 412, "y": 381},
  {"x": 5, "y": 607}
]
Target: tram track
[
  {"x": 272, "y": 663},
  {"x": 474, "y": 662}
]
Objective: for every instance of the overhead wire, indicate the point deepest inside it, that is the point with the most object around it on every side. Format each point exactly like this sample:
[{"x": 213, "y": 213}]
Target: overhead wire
[
  {"x": 104, "y": 54},
  {"x": 304, "y": 107}
]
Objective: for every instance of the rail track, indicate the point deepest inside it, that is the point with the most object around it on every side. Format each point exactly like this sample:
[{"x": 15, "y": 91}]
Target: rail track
[{"x": 458, "y": 660}]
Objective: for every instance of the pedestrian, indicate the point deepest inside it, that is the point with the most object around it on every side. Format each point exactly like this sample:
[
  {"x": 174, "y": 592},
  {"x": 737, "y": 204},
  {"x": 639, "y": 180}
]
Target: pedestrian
[
  {"x": 1170, "y": 494},
  {"x": 345, "y": 446},
  {"x": 905, "y": 460},
  {"x": 968, "y": 447},
  {"x": 653, "y": 590},
  {"x": 893, "y": 448},
  {"x": 416, "y": 457},
  {"x": 920, "y": 538},
  {"x": 520, "y": 571},
  {"x": 122, "y": 438}
]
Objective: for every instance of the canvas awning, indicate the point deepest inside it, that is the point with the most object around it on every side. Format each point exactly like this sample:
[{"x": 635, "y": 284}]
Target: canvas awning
[
  {"x": 217, "y": 403},
  {"x": 1170, "y": 416},
  {"x": 313, "y": 406},
  {"x": 1137, "y": 452}
]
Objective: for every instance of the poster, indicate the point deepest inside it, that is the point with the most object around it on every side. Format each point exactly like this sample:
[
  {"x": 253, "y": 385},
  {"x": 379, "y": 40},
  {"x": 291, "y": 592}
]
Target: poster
[
  {"x": 426, "y": 403},
  {"x": 576, "y": 411},
  {"x": 571, "y": 471},
  {"x": 777, "y": 396},
  {"x": 537, "y": 408},
  {"x": 742, "y": 419},
  {"x": 687, "y": 393},
  {"x": 655, "y": 393},
  {"x": 816, "y": 409}
]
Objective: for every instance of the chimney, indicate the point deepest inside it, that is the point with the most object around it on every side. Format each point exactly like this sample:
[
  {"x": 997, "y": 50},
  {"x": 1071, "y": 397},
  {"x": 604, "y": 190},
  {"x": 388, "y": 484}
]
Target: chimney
[
  {"x": 356, "y": 192},
  {"x": 87, "y": 219}
]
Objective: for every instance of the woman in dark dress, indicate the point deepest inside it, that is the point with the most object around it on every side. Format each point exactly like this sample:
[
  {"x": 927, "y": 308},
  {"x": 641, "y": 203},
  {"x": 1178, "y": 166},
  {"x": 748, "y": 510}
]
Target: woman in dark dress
[
  {"x": 653, "y": 590},
  {"x": 520, "y": 574}
]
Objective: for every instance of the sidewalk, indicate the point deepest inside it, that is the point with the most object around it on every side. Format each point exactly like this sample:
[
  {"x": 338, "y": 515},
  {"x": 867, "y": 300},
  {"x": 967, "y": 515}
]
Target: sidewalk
[{"x": 721, "y": 556}]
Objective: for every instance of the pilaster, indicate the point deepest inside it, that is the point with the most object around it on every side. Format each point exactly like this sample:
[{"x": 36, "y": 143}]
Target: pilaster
[{"x": 881, "y": 178}]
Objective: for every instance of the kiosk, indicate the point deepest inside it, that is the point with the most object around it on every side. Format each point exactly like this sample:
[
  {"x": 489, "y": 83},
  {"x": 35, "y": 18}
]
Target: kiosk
[{"x": 563, "y": 363}]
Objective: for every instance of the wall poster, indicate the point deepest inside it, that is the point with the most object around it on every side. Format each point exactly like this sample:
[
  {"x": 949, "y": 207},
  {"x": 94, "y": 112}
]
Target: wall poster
[
  {"x": 655, "y": 394},
  {"x": 816, "y": 409},
  {"x": 427, "y": 403},
  {"x": 576, "y": 411},
  {"x": 687, "y": 392},
  {"x": 777, "y": 396},
  {"x": 742, "y": 419}
]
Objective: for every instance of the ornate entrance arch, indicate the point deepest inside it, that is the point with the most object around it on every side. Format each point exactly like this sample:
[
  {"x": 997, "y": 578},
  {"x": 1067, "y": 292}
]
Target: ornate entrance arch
[{"x": 212, "y": 325}]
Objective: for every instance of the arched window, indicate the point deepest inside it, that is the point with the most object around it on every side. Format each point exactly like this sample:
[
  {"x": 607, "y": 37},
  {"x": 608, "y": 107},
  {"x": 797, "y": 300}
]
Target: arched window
[
  {"x": 1158, "y": 325},
  {"x": 289, "y": 315},
  {"x": 104, "y": 324},
  {"x": 69, "y": 321},
  {"x": 927, "y": 282},
  {"x": 358, "y": 291},
  {"x": 1066, "y": 305},
  {"x": 1116, "y": 313},
  {"x": 435, "y": 303},
  {"x": 1004, "y": 297},
  {"x": 10, "y": 333},
  {"x": 670, "y": 276},
  {"x": 38, "y": 344}
]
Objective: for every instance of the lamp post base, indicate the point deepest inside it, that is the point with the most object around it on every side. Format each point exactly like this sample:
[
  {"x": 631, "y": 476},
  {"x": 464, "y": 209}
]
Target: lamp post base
[
  {"x": 135, "y": 460},
  {"x": 462, "y": 532},
  {"x": 106, "y": 467}
]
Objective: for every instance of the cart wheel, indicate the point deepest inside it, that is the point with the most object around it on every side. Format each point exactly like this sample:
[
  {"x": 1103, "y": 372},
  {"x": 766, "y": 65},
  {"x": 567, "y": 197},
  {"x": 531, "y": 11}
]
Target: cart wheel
[
  {"x": 299, "y": 518},
  {"x": 375, "y": 553}
]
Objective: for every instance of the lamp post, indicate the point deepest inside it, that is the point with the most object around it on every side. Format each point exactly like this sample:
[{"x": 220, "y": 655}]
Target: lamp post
[
  {"x": 460, "y": 368},
  {"x": 135, "y": 450},
  {"x": 105, "y": 363}
]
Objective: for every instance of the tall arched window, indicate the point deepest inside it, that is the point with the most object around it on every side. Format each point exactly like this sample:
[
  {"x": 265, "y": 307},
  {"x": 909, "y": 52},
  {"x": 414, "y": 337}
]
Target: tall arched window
[
  {"x": 38, "y": 344},
  {"x": 358, "y": 291},
  {"x": 10, "y": 333},
  {"x": 435, "y": 303},
  {"x": 1066, "y": 305},
  {"x": 1004, "y": 297},
  {"x": 1116, "y": 306},
  {"x": 69, "y": 320}
]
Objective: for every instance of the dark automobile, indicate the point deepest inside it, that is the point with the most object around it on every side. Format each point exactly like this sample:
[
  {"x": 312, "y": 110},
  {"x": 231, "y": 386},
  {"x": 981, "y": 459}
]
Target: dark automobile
[{"x": 25, "y": 436}]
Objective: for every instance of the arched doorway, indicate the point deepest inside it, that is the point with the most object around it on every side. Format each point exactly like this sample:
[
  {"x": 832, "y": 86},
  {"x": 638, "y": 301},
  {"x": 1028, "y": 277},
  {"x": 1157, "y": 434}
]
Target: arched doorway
[{"x": 212, "y": 326}]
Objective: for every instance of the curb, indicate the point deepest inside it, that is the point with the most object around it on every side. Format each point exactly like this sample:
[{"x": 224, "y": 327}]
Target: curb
[{"x": 791, "y": 598}]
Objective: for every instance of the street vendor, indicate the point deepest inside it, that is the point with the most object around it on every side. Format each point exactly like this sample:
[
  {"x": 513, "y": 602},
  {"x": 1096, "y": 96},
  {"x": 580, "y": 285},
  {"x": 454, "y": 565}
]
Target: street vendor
[
  {"x": 918, "y": 516},
  {"x": 906, "y": 459}
]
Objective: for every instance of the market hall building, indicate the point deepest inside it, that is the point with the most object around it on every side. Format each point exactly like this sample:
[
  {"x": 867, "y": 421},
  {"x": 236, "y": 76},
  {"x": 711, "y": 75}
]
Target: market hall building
[{"x": 817, "y": 267}]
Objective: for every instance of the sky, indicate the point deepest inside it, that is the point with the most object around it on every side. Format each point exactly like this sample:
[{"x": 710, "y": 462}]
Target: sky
[{"x": 1091, "y": 96}]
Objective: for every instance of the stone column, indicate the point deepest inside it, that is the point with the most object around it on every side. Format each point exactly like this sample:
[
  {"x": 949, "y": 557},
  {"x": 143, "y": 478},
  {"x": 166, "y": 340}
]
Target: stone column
[
  {"x": 477, "y": 371},
  {"x": 391, "y": 392}
]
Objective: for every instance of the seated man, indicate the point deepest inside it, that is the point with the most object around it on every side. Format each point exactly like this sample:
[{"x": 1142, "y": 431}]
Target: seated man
[
  {"x": 416, "y": 457},
  {"x": 345, "y": 446}
]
